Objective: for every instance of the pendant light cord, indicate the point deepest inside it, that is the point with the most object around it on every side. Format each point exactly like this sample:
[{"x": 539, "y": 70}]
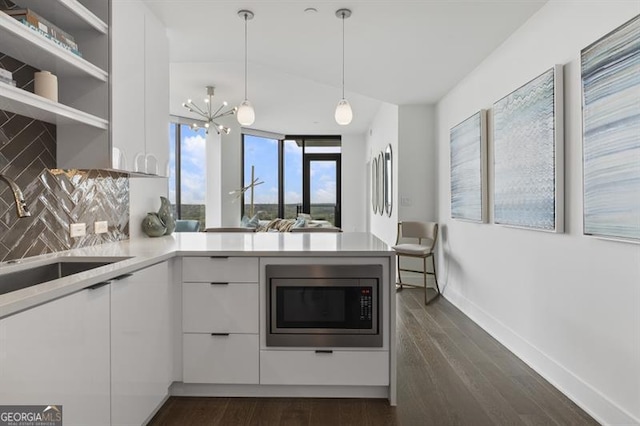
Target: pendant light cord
[
  {"x": 245, "y": 56},
  {"x": 342, "y": 55}
]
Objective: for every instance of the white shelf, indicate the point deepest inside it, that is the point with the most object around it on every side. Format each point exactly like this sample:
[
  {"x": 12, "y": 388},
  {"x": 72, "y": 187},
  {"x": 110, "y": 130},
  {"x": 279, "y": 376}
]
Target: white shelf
[
  {"x": 68, "y": 15},
  {"x": 26, "y": 45},
  {"x": 30, "y": 105}
]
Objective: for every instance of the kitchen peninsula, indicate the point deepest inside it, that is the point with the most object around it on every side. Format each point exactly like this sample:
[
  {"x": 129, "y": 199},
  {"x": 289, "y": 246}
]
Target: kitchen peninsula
[{"x": 201, "y": 314}]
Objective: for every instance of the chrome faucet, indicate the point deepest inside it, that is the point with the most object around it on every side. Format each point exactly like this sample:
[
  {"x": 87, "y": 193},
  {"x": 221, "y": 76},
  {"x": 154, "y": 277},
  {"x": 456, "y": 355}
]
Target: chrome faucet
[{"x": 21, "y": 206}]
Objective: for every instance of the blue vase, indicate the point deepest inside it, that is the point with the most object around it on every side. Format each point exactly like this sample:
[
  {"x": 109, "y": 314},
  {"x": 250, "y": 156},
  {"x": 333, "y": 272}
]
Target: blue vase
[
  {"x": 153, "y": 226},
  {"x": 166, "y": 215}
]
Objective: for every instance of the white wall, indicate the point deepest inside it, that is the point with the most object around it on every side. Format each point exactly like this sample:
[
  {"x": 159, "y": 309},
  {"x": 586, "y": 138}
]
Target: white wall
[
  {"x": 416, "y": 162},
  {"x": 354, "y": 183},
  {"x": 383, "y": 131},
  {"x": 144, "y": 197},
  {"x": 567, "y": 304}
]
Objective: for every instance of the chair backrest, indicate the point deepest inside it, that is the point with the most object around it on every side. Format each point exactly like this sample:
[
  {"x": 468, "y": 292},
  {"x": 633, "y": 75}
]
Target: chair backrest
[
  {"x": 183, "y": 225},
  {"x": 419, "y": 230}
]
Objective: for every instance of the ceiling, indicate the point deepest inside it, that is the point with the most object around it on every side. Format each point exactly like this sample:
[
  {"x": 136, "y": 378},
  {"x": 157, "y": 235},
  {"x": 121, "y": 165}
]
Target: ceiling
[{"x": 397, "y": 51}]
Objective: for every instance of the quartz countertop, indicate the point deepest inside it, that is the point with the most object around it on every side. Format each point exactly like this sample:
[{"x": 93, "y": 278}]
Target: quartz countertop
[{"x": 144, "y": 252}]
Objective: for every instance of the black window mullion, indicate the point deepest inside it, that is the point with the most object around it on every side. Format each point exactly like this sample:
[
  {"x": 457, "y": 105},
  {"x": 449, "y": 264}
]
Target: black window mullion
[
  {"x": 178, "y": 171},
  {"x": 281, "y": 178}
]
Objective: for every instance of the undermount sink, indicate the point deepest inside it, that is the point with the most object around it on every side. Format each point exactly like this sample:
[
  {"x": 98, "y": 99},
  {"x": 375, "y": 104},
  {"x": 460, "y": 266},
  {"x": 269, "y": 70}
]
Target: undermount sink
[{"x": 41, "y": 274}]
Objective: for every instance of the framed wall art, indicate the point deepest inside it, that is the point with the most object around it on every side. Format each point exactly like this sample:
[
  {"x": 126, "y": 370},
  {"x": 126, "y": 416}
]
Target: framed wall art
[
  {"x": 468, "y": 146},
  {"x": 529, "y": 155},
  {"x": 611, "y": 134}
]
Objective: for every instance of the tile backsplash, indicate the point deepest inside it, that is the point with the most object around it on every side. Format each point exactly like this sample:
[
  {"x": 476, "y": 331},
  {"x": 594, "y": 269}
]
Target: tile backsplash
[{"x": 54, "y": 197}]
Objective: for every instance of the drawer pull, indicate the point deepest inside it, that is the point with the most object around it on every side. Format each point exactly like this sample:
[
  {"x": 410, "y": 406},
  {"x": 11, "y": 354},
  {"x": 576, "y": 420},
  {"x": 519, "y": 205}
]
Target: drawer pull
[
  {"x": 122, "y": 277},
  {"x": 219, "y": 283},
  {"x": 218, "y": 257},
  {"x": 97, "y": 286},
  {"x": 324, "y": 351},
  {"x": 220, "y": 334}
]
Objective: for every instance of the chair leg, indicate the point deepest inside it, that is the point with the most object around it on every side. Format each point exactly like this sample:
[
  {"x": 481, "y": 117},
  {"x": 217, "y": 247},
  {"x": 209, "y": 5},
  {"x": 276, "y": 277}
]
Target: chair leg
[
  {"x": 399, "y": 276},
  {"x": 424, "y": 276},
  {"x": 433, "y": 263}
]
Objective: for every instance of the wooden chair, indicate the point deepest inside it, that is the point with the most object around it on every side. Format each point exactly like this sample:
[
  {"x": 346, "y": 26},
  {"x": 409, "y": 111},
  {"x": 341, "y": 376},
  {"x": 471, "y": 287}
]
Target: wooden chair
[{"x": 426, "y": 234}]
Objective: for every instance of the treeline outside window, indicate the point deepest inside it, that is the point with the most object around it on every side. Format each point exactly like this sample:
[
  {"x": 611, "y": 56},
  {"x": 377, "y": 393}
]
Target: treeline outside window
[
  {"x": 187, "y": 172},
  {"x": 291, "y": 168}
]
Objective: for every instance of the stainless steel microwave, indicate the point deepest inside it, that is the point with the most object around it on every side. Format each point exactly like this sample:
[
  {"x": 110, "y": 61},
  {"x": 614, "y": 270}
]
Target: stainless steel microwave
[{"x": 324, "y": 305}]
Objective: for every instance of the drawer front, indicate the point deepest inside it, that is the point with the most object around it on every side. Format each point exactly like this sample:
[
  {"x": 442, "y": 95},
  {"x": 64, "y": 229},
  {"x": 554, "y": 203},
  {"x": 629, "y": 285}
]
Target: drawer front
[
  {"x": 230, "y": 308},
  {"x": 337, "y": 368},
  {"x": 220, "y": 269},
  {"x": 220, "y": 359}
]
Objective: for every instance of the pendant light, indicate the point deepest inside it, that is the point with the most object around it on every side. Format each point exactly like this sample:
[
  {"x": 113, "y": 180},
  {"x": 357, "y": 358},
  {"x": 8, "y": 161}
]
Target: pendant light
[
  {"x": 246, "y": 115},
  {"x": 344, "y": 114}
]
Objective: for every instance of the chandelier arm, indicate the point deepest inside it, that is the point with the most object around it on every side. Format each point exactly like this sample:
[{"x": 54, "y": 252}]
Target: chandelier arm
[
  {"x": 198, "y": 110},
  {"x": 215, "y": 114}
]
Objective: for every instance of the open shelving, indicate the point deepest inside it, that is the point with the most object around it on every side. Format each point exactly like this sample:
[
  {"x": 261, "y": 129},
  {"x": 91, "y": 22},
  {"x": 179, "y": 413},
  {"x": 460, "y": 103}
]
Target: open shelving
[
  {"x": 69, "y": 15},
  {"x": 26, "y": 45},
  {"x": 28, "y": 104}
]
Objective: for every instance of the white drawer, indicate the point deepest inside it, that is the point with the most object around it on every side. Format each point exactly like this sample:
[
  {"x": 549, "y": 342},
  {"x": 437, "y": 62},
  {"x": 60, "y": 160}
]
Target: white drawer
[
  {"x": 224, "y": 308},
  {"x": 220, "y": 359},
  {"x": 220, "y": 269},
  {"x": 311, "y": 368}
]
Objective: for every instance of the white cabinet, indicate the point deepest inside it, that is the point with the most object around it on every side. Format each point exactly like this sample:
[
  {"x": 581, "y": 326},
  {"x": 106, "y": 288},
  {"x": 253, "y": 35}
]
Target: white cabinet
[
  {"x": 220, "y": 321},
  {"x": 220, "y": 307},
  {"x": 324, "y": 367},
  {"x": 141, "y": 344},
  {"x": 140, "y": 89},
  {"x": 221, "y": 358},
  {"x": 58, "y": 354}
]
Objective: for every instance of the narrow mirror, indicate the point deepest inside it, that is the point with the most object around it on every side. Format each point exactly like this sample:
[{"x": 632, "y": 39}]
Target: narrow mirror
[
  {"x": 374, "y": 184},
  {"x": 381, "y": 183},
  {"x": 388, "y": 180}
]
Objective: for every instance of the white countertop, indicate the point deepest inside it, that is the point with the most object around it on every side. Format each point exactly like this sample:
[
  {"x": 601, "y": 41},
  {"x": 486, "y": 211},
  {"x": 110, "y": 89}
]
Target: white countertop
[{"x": 148, "y": 251}]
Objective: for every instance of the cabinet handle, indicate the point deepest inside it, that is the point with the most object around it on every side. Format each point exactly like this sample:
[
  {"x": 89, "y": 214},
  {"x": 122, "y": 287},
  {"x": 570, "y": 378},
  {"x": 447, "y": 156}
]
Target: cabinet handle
[
  {"x": 220, "y": 334},
  {"x": 97, "y": 286},
  {"x": 219, "y": 283},
  {"x": 218, "y": 257},
  {"x": 122, "y": 277},
  {"x": 324, "y": 351}
]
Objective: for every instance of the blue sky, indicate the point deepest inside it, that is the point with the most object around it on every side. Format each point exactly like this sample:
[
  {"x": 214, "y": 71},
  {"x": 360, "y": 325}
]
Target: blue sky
[{"x": 263, "y": 154}]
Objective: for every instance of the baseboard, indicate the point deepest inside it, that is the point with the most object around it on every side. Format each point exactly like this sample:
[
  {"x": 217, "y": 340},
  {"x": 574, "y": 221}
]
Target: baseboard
[
  {"x": 278, "y": 391},
  {"x": 597, "y": 405}
]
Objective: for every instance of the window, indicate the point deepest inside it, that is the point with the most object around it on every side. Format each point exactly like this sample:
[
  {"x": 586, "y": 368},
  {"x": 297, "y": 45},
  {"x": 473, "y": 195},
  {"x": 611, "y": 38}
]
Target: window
[
  {"x": 300, "y": 174},
  {"x": 187, "y": 172}
]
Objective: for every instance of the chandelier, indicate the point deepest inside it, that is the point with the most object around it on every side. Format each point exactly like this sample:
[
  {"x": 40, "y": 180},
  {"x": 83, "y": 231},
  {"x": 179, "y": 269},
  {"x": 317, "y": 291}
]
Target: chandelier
[{"x": 208, "y": 114}]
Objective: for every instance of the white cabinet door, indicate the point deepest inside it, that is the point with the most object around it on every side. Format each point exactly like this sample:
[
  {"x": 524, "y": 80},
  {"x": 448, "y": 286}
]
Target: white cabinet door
[
  {"x": 221, "y": 308},
  {"x": 141, "y": 345},
  {"x": 156, "y": 95},
  {"x": 210, "y": 358},
  {"x": 128, "y": 80},
  {"x": 321, "y": 367},
  {"x": 58, "y": 354}
]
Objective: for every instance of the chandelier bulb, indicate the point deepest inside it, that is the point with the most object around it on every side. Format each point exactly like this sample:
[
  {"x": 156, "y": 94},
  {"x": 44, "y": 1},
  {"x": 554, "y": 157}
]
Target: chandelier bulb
[{"x": 206, "y": 101}]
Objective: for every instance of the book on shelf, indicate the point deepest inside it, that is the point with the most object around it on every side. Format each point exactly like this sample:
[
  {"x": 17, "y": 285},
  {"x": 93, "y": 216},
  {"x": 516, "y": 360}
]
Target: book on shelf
[
  {"x": 43, "y": 25},
  {"x": 46, "y": 35},
  {"x": 8, "y": 81},
  {"x": 6, "y": 74}
]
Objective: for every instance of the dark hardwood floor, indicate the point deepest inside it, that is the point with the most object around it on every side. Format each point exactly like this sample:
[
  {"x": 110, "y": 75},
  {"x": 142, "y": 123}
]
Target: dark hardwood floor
[{"x": 450, "y": 372}]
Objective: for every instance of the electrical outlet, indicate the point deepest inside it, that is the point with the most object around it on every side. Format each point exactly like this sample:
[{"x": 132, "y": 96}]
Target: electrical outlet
[
  {"x": 406, "y": 201},
  {"x": 77, "y": 230},
  {"x": 100, "y": 227}
]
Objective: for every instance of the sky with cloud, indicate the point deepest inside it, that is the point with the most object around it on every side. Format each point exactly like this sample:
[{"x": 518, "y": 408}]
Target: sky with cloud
[{"x": 263, "y": 155}]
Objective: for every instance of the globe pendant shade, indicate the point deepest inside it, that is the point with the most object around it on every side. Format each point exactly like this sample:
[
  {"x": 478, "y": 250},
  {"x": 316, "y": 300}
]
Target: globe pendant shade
[
  {"x": 344, "y": 114},
  {"x": 246, "y": 115}
]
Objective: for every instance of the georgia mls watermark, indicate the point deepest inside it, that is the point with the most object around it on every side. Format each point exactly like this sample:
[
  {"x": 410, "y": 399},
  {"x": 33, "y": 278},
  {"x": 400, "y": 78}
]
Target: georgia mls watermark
[{"x": 30, "y": 415}]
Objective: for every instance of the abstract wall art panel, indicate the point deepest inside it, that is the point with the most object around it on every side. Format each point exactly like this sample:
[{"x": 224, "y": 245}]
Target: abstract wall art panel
[
  {"x": 611, "y": 134},
  {"x": 528, "y": 155},
  {"x": 468, "y": 169}
]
